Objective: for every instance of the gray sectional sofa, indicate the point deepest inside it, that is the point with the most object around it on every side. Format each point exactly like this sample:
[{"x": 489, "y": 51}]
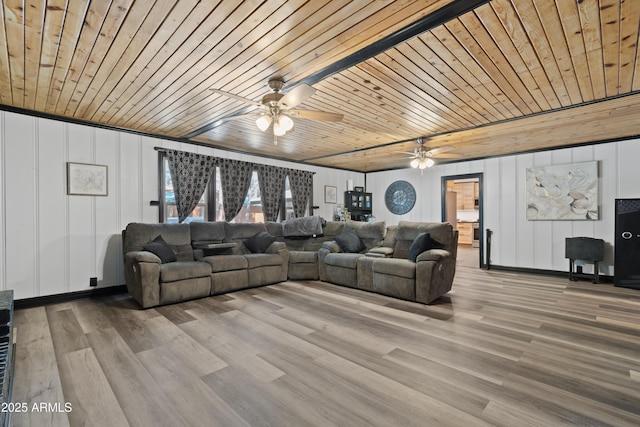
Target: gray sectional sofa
[
  {"x": 211, "y": 258},
  {"x": 168, "y": 263}
]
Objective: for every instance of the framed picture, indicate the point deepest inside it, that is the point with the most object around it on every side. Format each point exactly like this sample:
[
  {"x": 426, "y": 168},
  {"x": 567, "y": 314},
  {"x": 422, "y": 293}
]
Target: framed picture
[
  {"x": 330, "y": 194},
  {"x": 86, "y": 180},
  {"x": 563, "y": 192},
  {"x": 359, "y": 189}
]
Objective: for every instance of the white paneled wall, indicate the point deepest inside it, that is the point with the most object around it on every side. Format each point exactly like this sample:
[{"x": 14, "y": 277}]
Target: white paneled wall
[
  {"x": 53, "y": 243},
  {"x": 517, "y": 242}
]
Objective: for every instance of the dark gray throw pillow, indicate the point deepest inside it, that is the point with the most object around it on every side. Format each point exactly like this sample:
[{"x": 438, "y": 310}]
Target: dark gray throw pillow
[
  {"x": 349, "y": 241},
  {"x": 260, "y": 242},
  {"x": 160, "y": 248},
  {"x": 422, "y": 242}
]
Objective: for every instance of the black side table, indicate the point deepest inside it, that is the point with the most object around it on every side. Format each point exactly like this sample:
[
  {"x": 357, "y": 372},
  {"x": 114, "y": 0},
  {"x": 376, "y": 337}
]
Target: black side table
[{"x": 585, "y": 249}]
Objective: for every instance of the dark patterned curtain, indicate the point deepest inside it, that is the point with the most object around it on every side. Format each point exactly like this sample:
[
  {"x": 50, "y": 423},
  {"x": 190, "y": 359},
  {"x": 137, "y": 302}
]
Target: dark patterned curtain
[
  {"x": 190, "y": 173},
  {"x": 301, "y": 183},
  {"x": 271, "y": 180},
  {"x": 235, "y": 177}
]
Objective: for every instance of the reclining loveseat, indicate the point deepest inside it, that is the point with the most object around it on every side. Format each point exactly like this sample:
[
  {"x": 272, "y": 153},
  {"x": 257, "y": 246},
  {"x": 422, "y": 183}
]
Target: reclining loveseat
[
  {"x": 209, "y": 258},
  {"x": 415, "y": 261}
]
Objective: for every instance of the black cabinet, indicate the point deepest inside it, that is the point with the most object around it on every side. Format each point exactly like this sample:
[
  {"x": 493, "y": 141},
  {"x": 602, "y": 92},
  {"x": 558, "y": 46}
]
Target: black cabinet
[
  {"x": 359, "y": 204},
  {"x": 627, "y": 244}
]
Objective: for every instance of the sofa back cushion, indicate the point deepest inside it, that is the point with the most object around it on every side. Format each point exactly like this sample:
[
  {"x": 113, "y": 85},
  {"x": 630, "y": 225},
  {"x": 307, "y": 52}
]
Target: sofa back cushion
[
  {"x": 207, "y": 232},
  {"x": 177, "y": 236},
  {"x": 371, "y": 233},
  {"x": 240, "y": 233},
  {"x": 441, "y": 232},
  {"x": 390, "y": 237},
  {"x": 275, "y": 229},
  {"x": 313, "y": 244}
]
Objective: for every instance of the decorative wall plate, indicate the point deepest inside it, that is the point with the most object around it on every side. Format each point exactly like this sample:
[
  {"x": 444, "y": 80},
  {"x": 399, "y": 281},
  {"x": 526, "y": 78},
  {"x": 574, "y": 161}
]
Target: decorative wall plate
[{"x": 400, "y": 197}]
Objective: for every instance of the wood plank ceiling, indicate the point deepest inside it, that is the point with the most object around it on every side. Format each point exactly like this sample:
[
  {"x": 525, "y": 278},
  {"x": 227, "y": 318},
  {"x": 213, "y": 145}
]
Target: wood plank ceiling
[{"x": 508, "y": 76}]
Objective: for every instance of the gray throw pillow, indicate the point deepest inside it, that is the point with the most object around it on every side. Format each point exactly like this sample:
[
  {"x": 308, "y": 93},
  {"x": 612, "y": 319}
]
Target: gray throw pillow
[
  {"x": 259, "y": 243},
  {"x": 160, "y": 248},
  {"x": 349, "y": 241},
  {"x": 422, "y": 242}
]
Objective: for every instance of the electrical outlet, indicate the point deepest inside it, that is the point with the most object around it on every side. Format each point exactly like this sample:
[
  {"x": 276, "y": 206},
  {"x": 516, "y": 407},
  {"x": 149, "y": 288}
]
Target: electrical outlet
[{"x": 93, "y": 281}]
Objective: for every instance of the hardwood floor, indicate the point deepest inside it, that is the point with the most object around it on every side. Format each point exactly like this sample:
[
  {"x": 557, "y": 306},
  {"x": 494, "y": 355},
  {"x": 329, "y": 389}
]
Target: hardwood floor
[{"x": 501, "y": 349}]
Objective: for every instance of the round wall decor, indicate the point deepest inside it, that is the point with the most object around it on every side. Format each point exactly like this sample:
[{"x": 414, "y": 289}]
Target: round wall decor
[{"x": 400, "y": 197}]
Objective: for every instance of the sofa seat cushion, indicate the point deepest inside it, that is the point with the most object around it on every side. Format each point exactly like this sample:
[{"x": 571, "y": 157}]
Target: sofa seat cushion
[
  {"x": 180, "y": 270},
  {"x": 343, "y": 260},
  {"x": 303, "y": 257},
  {"x": 263, "y": 260},
  {"x": 172, "y": 292},
  {"x": 220, "y": 263},
  {"x": 395, "y": 267}
]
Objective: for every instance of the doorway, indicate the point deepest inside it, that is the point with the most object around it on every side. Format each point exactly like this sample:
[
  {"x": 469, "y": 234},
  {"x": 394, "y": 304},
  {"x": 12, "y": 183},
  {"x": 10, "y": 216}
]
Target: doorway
[{"x": 462, "y": 207}]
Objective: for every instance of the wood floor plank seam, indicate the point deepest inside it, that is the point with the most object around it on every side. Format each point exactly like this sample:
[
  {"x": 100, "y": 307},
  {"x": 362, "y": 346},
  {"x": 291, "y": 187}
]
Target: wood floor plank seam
[{"x": 501, "y": 349}]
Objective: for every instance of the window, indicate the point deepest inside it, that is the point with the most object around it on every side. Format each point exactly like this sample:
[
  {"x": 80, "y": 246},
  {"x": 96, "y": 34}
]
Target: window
[
  {"x": 252, "y": 207},
  {"x": 210, "y": 207},
  {"x": 169, "y": 209},
  {"x": 288, "y": 202},
  {"x": 219, "y": 213}
]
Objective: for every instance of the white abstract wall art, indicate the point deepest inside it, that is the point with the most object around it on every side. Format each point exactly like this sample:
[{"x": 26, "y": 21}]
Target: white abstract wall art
[
  {"x": 86, "y": 180},
  {"x": 563, "y": 192}
]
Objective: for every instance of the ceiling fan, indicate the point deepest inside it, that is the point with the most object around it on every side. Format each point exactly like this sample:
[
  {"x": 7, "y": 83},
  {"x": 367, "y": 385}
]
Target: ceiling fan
[
  {"x": 279, "y": 108},
  {"x": 422, "y": 157}
]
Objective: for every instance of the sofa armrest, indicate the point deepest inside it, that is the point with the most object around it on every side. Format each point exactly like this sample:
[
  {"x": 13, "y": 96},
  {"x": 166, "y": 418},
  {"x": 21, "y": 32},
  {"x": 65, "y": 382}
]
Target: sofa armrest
[
  {"x": 142, "y": 275},
  {"x": 331, "y": 246},
  {"x": 326, "y": 249},
  {"x": 276, "y": 248},
  {"x": 433, "y": 255},
  {"x": 380, "y": 252},
  {"x": 280, "y": 248},
  {"x": 435, "y": 270},
  {"x": 142, "y": 256}
]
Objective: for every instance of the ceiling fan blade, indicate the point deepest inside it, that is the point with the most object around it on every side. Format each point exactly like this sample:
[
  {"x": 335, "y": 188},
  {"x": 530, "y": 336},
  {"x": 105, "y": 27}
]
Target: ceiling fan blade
[
  {"x": 239, "y": 98},
  {"x": 296, "y": 96},
  {"x": 448, "y": 156},
  {"x": 439, "y": 150},
  {"x": 315, "y": 115}
]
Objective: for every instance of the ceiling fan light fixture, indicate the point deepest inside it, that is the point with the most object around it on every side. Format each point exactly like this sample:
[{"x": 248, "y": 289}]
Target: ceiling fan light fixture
[
  {"x": 421, "y": 162},
  {"x": 286, "y": 123},
  {"x": 278, "y": 129},
  {"x": 263, "y": 122}
]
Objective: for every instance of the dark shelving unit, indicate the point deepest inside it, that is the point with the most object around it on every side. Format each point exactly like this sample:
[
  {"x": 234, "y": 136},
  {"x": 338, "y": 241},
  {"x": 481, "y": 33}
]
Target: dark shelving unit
[{"x": 359, "y": 204}]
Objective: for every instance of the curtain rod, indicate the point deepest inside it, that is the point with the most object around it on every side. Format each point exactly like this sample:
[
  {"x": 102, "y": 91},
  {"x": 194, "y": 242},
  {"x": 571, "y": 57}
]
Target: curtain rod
[{"x": 164, "y": 150}]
